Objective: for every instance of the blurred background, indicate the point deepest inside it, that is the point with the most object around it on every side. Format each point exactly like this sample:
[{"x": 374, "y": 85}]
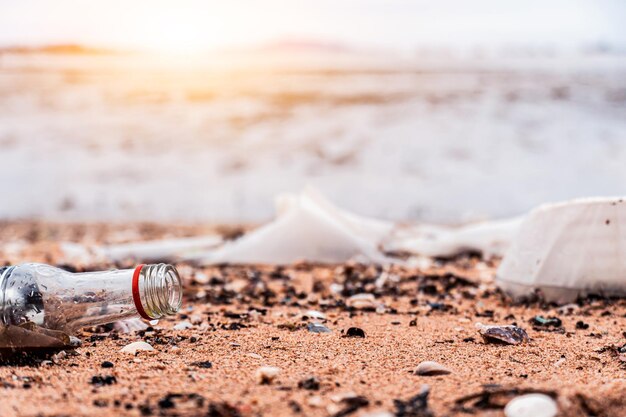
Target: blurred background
[{"x": 188, "y": 111}]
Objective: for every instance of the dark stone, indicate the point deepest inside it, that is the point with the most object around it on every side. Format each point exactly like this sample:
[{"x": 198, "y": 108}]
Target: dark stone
[
  {"x": 541, "y": 321},
  {"x": 222, "y": 410},
  {"x": 166, "y": 402},
  {"x": 581, "y": 325},
  {"x": 352, "y": 404},
  {"x": 355, "y": 332},
  {"x": 311, "y": 383},
  {"x": 99, "y": 380},
  {"x": 416, "y": 406},
  {"x": 202, "y": 364}
]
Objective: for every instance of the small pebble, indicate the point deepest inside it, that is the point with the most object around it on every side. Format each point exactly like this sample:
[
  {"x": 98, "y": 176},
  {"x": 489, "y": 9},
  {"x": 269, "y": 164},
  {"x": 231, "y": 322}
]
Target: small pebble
[
  {"x": 531, "y": 405},
  {"x": 202, "y": 364},
  {"x": 58, "y": 356},
  {"x": 100, "y": 381},
  {"x": 196, "y": 319},
  {"x": 355, "y": 332},
  {"x": 581, "y": 325},
  {"x": 166, "y": 402},
  {"x": 542, "y": 321},
  {"x": 136, "y": 347},
  {"x": 430, "y": 368},
  {"x": 511, "y": 335},
  {"x": 311, "y": 383},
  {"x": 75, "y": 341},
  {"x": 265, "y": 375},
  {"x": 183, "y": 325},
  {"x": 318, "y": 328}
]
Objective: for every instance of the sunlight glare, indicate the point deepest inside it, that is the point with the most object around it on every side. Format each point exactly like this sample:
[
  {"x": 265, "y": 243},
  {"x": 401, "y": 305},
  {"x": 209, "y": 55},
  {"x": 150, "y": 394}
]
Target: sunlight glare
[{"x": 177, "y": 31}]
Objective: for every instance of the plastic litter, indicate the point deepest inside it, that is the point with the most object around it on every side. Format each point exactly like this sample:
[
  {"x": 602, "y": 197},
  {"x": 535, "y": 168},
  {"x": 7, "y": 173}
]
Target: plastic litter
[
  {"x": 169, "y": 250},
  {"x": 568, "y": 250},
  {"x": 490, "y": 238},
  {"x": 564, "y": 250},
  {"x": 309, "y": 228},
  {"x": 42, "y": 306}
]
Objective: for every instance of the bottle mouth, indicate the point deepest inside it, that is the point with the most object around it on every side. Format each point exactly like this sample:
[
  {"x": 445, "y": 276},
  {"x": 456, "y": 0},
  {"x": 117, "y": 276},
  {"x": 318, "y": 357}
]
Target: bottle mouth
[{"x": 157, "y": 290}]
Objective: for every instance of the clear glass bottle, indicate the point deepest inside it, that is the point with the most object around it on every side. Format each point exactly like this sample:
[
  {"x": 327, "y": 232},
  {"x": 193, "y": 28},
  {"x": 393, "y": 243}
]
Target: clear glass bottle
[{"x": 44, "y": 297}]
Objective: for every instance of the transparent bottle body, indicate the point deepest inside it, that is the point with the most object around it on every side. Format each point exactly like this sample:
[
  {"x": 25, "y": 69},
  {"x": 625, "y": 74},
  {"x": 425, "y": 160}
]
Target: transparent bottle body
[{"x": 54, "y": 299}]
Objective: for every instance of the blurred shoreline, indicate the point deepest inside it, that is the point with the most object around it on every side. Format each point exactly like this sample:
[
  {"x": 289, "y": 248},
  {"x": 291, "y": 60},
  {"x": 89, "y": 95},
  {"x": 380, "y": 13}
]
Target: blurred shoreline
[{"x": 427, "y": 136}]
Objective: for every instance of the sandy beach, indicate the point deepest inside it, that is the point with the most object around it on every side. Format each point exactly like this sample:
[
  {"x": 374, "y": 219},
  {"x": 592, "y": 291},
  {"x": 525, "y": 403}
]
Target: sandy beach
[{"x": 237, "y": 319}]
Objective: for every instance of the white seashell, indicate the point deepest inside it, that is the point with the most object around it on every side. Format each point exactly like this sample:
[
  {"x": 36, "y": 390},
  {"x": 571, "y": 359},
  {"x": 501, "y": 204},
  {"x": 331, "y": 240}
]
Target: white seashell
[
  {"x": 136, "y": 347},
  {"x": 531, "y": 405},
  {"x": 362, "y": 301},
  {"x": 429, "y": 368},
  {"x": 266, "y": 374},
  {"x": 183, "y": 325},
  {"x": 568, "y": 250},
  {"x": 315, "y": 314}
]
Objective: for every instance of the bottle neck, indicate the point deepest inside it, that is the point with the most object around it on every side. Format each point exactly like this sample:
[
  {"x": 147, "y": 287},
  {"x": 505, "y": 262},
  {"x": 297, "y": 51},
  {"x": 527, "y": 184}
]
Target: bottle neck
[{"x": 157, "y": 290}]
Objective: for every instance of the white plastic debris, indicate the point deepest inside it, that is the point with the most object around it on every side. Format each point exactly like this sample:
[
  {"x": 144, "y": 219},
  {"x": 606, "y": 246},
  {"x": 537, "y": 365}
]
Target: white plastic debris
[
  {"x": 78, "y": 253},
  {"x": 489, "y": 238},
  {"x": 135, "y": 347},
  {"x": 164, "y": 249},
  {"x": 153, "y": 250},
  {"x": 307, "y": 228},
  {"x": 568, "y": 250},
  {"x": 531, "y": 405}
]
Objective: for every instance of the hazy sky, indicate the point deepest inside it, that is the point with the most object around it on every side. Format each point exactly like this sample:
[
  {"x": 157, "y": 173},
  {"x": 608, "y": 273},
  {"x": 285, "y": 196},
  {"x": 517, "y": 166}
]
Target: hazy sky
[{"x": 203, "y": 24}]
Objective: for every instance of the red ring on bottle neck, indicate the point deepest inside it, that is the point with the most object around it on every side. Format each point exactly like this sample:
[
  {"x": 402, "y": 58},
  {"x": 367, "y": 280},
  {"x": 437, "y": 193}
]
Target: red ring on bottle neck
[{"x": 136, "y": 297}]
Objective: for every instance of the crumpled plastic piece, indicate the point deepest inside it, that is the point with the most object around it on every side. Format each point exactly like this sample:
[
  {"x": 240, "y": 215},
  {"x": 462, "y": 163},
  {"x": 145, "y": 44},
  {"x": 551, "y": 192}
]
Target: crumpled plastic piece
[
  {"x": 161, "y": 250},
  {"x": 308, "y": 228},
  {"x": 490, "y": 238},
  {"x": 567, "y": 250},
  {"x": 164, "y": 250}
]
